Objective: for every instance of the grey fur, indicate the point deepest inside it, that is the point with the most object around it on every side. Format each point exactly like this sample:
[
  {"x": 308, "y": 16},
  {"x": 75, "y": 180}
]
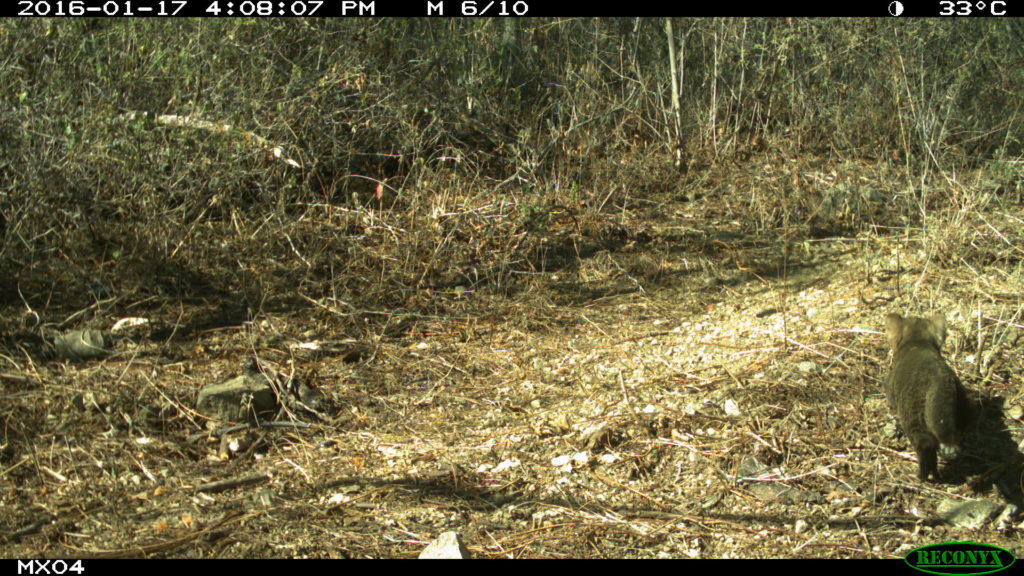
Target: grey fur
[{"x": 923, "y": 390}]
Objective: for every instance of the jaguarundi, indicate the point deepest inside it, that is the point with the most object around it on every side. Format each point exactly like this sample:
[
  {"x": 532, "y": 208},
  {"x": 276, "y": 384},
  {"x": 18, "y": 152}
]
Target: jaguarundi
[{"x": 923, "y": 391}]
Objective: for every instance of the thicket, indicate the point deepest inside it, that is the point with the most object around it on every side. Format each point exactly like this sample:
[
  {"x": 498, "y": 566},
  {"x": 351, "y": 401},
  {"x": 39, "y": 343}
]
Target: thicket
[{"x": 385, "y": 164}]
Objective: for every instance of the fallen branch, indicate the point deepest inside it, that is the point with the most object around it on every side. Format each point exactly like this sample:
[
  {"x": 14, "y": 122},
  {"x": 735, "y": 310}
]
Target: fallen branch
[{"x": 276, "y": 151}]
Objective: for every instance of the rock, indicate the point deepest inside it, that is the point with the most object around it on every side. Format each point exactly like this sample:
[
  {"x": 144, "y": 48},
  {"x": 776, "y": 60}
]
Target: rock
[
  {"x": 751, "y": 467},
  {"x": 971, "y": 514},
  {"x": 237, "y": 400},
  {"x": 447, "y": 546},
  {"x": 808, "y": 367},
  {"x": 81, "y": 345},
  {"x": 597, "y": 437},
  {"x": 765, "y": 489},
  {"x": 310, "y": 396},
  {"x": 1005, "y": 520},
  {"x": 1016, "y": 412}
]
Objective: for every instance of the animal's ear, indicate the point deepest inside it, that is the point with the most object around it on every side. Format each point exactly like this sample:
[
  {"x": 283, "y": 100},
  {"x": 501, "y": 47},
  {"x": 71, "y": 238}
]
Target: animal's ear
[
  {"x": 937, "y": 327},
  {"x": 894, "y": 329}
]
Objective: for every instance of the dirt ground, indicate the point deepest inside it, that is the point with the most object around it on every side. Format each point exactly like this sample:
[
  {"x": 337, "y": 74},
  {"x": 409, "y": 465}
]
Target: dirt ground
[{"x": 688, "y": 391}]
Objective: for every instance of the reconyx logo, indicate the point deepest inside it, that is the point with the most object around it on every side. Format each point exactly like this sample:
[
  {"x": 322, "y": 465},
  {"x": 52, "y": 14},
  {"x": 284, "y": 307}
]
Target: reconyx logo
[{"x": 959, "y": 558}]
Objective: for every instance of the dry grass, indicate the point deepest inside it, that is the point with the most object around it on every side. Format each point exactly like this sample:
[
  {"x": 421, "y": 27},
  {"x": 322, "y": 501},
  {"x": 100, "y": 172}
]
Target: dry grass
[{"x": 647, "y": 386}]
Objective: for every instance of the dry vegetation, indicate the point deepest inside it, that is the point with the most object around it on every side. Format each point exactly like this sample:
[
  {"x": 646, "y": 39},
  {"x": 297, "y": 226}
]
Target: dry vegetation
[{"x": 558, "y": 315}]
